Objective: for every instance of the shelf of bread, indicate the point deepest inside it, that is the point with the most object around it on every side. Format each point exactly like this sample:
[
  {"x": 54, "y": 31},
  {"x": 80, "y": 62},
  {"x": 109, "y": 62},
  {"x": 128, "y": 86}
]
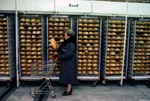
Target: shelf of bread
[
  {"x": 30, "y": 29},
  {"x": 4, "y": 63},
  {"x": 142, "y": 47},
  {"x": 88, "y": 46},
  {"x": 56, "y": 26},
  {"x": 115, "y": 44}
]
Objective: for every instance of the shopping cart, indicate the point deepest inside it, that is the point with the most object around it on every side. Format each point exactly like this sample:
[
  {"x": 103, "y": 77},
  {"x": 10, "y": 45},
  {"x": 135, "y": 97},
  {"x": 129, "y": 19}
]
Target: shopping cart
[{"x": 44, "y": 71}]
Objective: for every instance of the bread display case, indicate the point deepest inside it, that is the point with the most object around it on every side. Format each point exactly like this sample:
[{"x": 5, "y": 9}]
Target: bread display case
[
  {"x": 56, "y": 27},
  {"x": 30, "y": 38},
  {"x": 139, "y": 50},
  {"x": 7, "y": 48},
  {"x": 89, "y": 47},
  {"x": 113, "y": 49}
]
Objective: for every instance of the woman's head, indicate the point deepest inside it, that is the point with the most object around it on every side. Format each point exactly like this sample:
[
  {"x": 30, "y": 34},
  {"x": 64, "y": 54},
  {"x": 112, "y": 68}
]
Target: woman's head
[{"x": 68, "y": 33}]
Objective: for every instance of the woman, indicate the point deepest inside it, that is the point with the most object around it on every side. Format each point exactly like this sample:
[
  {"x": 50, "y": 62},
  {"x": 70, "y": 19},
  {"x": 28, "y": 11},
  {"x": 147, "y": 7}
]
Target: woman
[{"x": 68, "y": 61}]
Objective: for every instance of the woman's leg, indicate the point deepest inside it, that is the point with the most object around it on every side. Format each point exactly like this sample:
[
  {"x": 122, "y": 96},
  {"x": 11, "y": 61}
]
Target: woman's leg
[{"x": 69, "y": 87}]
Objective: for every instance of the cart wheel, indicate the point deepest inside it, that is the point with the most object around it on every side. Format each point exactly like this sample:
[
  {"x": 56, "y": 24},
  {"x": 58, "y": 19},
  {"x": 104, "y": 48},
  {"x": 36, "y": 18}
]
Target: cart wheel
[
  {"x": 119, "y": 83},
  {"x": 148, "y": 82},
  {"x": 53, "y": 96},
  {"x": 104, "y": 82},
  {"x": 33, "y": 93},
  {"x": 94, "y": 83},
  {"x": 78, "y": 82},
  {"x": 9, "y": 83},
  {"x": 132, "y": 82},
  {"x": 22, "y": 83}
]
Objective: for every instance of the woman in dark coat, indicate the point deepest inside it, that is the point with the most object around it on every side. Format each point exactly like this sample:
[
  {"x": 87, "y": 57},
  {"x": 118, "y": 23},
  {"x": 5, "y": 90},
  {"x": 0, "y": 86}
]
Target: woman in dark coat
[{"x": 68, "y": 61}]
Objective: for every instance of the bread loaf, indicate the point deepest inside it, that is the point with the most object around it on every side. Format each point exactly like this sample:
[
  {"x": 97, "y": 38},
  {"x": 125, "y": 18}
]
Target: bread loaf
[
  {"x": 85, "y": 25},
  {"x": 85, "y": 41},
  {"x": 62, "y": 19},
  {"x": 95, "y": 33},
  {"x": 96, "y": 25},
  {"x": 91, "y": 41},
  {"x": 84, "y": 68},
  {"x": 95, "y": 41},
  {"x": 80, "y": 24},
  {"x": 80, "y": 28},
  {"x": 90, "y": 25},
  {"x": 51, "y": 19},
  {"x": 90, "y": 72},
  {"x": 80, "y": 20},
  {"x": 90, "y": 28},
  {"x": 96, "y": 37},
  {"x": 22, "y": 19},
  {"x": 84, "y": 20},
  {"x": 91, "y": 33},
  {"x": 91, "y": 36},
  {"x": 79, "y": 68},
  {"x": 55, "y": 28},
  {"x": 33, "y": 20},
  {"x": 27, "y": 20},
  {"x": 67, "y": 19},
  {"x": 79, "y": 72},
  {"x": 21, "y": 27},
  {"x": 79, "y": 32},
  {"x": 85, "y": 36},
  {"x": 61, "y": 24},
  {"x": 60, "y": 32},
  {"x": 95, "y": 72},
  {"x": 96, "y": 20},
  {"x": 86, "y": 33},
  {"x": 84, "y": 28}
]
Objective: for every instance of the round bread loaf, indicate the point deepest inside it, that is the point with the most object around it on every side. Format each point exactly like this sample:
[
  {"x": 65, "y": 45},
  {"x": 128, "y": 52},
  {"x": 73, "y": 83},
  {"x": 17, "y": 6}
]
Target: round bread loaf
[
  {"x": 96, "y": 25},
  {"x": 56, "y": 24},
  {"x": 90, "y": 28},
  {"x": 67, "y": 19},
  {"x": 67, "y": 24},
  {"x": 79, "y": 72},
  {"x": 80, "y": 28},
  {"x": 85, "y": 24},
  {"x": 33, "y": 20},
  {"x": 95, "y": 29},
  {"x": 84, "y": 20},
  {"x": 22, "y": 19},
  {"x": 90, "y": 20},
  {"x": 91, "y": 40},
  {"x": 91, "y": 33},
  {"x": 21, "y": 27},
  {"x": 62, "y": 19},
  {"x": 86, "y": 33},
  {"x": 95, "y": 72},
  {"x": 85, "y": 40},
  {"x": 91, "y": 36},
  {"x": 80, "y": 24},
  {"x": 51, "y": 19},
  {"x": 28, "y": 20},
  {"x": 85, "y": 36},
  {"x": 90, "y": 25},
  {"x": 79, "y": 32},
  {"x": 61, "y": 24},
  {"x": 96, "y": 20},
  {"x": 84, "y": 28},
  {"x": 56, "y": 28},
  {"x": 80, "y": 20},
  {"x": 38, "y": 20}
]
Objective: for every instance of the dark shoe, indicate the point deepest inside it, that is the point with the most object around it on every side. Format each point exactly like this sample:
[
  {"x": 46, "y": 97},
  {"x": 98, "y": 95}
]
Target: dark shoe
[{"x": 66, "y": 93}]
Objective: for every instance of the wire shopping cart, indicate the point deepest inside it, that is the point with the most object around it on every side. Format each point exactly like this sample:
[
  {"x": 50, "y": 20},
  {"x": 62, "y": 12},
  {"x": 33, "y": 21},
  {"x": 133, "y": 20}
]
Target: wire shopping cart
[{"x": 45, "y": 71}]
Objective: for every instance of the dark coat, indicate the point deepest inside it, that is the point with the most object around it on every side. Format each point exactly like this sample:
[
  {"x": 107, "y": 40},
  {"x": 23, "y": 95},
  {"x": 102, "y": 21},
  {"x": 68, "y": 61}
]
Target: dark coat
[{"x": 68, "y": 62}]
